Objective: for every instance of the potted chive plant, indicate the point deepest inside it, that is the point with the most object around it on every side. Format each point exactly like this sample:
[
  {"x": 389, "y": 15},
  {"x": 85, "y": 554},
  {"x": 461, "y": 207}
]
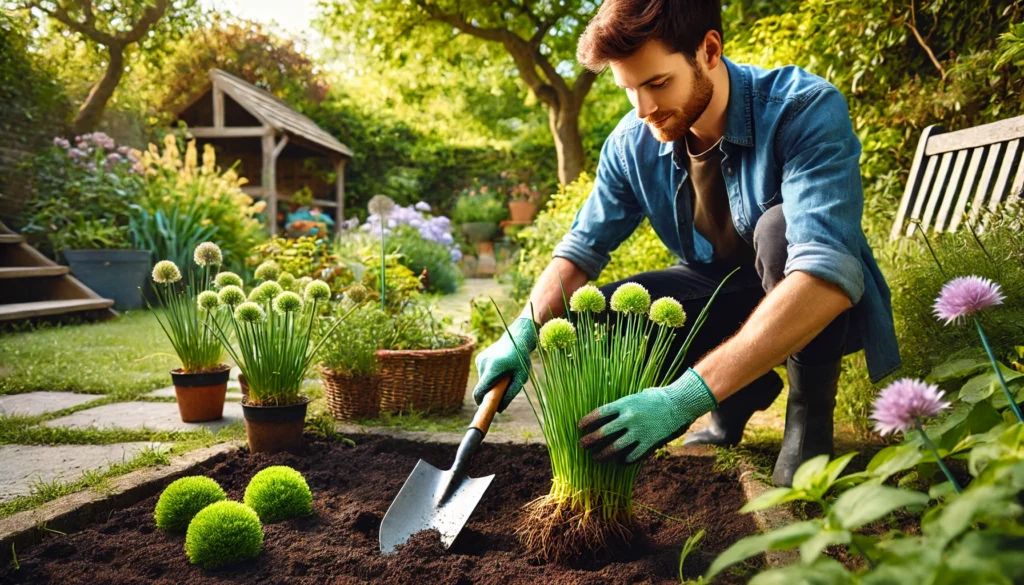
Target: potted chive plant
[
  {"x": 595, "y": 359},
  {"x": 273, "y": 348},
  {"x": 200, "y": 384}
]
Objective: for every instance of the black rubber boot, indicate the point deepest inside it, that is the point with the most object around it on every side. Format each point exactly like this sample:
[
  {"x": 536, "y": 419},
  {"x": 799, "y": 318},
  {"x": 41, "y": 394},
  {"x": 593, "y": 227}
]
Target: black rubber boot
[
  {"x": 809, "y": 410},
  {"x": 729, "y": 419}
]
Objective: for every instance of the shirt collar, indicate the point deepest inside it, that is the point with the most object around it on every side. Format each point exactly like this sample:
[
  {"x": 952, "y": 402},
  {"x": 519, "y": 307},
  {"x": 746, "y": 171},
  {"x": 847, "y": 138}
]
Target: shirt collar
[{"x": 738, "y": 116}]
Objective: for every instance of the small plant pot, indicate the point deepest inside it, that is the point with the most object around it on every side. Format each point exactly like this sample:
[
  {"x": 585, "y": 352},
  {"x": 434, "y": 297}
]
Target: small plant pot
[
  {"x": 112, "y": 274},
  {"x": 243, "y": 386},
  {"x": 351, "y": 398},
  {"x": 522, "y": 211},
  {"x": 200, "y": 395},
  {"x": 480, "y": 231},
  {"x": 272, "y": 429}
]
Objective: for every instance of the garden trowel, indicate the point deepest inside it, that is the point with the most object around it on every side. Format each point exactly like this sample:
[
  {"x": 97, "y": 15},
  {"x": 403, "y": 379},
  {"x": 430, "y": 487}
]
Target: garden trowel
[{"x": 442, "y": 500}]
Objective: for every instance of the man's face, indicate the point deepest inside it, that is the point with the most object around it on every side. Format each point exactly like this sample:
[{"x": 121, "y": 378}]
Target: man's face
[{"x": 667, "y": 91}]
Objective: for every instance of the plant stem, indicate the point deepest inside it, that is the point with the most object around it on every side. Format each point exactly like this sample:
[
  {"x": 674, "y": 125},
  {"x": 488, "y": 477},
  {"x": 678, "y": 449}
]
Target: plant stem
[
  {"x": 938, "y": 458},
  {"x": 864, "y": 553},
  {"x": 999, "y": 373},
  {"x": 382, "y": 306}
]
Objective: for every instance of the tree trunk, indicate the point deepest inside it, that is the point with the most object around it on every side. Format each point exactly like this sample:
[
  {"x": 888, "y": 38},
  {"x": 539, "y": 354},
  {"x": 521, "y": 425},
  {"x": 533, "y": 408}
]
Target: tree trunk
[
  {"x": 565, "y": 128},
  {"x": 92, "y": 110}
]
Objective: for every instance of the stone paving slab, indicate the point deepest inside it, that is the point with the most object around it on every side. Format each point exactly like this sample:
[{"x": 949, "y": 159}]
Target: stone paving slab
[
  {"x": 168, "y": 392},
  {"x": 36, "y": 403},
  {"x": 25, "y": 465},
  {"x": 157, "y": 416}
]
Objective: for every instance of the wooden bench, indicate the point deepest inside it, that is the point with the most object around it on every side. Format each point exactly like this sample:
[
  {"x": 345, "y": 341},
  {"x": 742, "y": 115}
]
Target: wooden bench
[{"x": 956, "y": 175}]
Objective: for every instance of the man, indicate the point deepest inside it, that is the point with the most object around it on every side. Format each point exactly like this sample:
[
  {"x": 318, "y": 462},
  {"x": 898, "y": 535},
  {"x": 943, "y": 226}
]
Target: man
[{"x": 736, "y": 167}]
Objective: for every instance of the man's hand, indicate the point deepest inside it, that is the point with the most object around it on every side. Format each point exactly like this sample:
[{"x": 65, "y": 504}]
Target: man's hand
[
  {"x": 502, "y": 359},
  {"x": 633, "y": 427}
]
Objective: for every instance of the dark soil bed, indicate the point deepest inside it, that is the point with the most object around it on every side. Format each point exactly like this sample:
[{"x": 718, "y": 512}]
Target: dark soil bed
[{"x": 352, "y": 489}]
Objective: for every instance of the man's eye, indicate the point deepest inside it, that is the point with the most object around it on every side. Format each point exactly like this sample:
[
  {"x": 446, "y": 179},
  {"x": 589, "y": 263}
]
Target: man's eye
[{"x": 659, "y": 85}]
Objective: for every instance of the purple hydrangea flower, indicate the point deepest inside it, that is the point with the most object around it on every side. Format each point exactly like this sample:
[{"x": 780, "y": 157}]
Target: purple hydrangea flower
[
  {"x": 901, "y": 403},
  {"x": 965, "y": 296},
  {"x": 456, "y": 254},
  {"x": 423, "y": 206}
]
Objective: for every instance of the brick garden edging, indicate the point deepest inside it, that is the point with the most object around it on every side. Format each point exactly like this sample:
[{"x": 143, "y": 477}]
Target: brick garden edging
[{"x": 73, "y": 511}]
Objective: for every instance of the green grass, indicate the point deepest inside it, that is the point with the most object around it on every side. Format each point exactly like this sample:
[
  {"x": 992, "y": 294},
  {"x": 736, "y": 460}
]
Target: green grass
[
  {"x": 759, "y": 449},
  {"x": 122, "y": 357}
]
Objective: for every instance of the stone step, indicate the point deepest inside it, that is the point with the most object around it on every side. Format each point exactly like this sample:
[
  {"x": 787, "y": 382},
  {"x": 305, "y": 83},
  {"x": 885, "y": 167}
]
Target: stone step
[
  {"x": 43, "y": 308},
  {"x": 154, "y": 416},
  {"x": 36, "y": 403},
  {"x": 32, "y": 271}
]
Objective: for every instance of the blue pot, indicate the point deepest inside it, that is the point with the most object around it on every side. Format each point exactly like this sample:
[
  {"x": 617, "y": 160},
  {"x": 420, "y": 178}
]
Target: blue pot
[{"x": 112, "y": 274}]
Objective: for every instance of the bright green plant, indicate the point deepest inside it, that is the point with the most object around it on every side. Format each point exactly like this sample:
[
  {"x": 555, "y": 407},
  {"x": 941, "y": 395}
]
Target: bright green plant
[
  {"x": 414, "y": 326},
  {"x": 190, "y": 309},
  {"x": 587, "y": 365},
  {"x": 358, "y": 261},
  {"x": 222, "y": 534},
  {"x": 470, "y": 207},
  {"x": 300, "y": 257},
  {"x": 279, "y": 493},
  {"x": 423, "y": 256},
  {"x": 273, "y": 330},
  {"x": 172, "y": 234},
  {"x": 183, "y": 499},
  {"x": 352, "y": 350}
]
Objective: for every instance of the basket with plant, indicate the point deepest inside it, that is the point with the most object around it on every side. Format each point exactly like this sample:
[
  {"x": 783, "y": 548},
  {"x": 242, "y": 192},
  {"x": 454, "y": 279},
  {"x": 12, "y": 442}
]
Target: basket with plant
[
  {"x": 190, "y": 308},
  {"x": 348, "y": 359},
  {"x": 588, "y": 362},
  {"x": 273, "y": 330}
]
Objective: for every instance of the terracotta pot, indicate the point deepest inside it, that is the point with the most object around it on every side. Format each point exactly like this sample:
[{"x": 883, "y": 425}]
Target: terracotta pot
[
  {"x": 522, "y": 211},
  {"x": 243, "y": 386},
  {"x": 272, "y": 429},
  {"x": 201, "y": 395}
]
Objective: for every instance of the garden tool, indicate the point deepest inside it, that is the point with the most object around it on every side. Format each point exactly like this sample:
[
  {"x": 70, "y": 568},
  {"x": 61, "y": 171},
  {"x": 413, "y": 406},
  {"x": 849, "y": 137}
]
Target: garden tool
[{"x": 442, "y": 500}]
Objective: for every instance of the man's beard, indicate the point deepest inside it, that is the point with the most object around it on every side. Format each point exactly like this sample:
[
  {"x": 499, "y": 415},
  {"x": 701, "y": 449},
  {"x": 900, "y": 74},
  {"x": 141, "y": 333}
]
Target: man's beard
[{"x": 680, "y": 121}]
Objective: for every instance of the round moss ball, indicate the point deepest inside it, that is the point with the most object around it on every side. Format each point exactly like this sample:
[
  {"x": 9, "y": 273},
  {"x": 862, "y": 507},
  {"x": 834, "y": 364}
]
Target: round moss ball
[
  {"x": 183, "y": 499},
  {"x": 278, "y": 493},
  {"x": 222, "y": 534}
]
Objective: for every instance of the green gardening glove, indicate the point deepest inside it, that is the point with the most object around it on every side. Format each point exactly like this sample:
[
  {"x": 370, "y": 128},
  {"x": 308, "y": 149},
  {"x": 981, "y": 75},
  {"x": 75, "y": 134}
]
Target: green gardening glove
[
  {"x": 633, "y": 427},
  {"x": 501, "y": 359}
]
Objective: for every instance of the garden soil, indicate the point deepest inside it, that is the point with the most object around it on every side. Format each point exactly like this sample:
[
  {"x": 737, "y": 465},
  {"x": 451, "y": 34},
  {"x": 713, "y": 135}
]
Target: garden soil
[{"x": 352, "y": 489}]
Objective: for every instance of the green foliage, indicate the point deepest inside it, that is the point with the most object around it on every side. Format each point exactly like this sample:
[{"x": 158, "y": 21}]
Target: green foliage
[
  {"x": 420, "y": 255},
  {"x": 222, "y": 534},
  {"x": 352, "y": 350},
  {"x": 279, "y": 493},
  {"x": 183, "y": 499},
  {"x": 358, "y": 261},
  {"x": 304, "y": 256},
  {"x": 474, "y": 206},
  {"x": 416, "y": 327},
  {"x": 171, "y": 234},
  {"x": 642, "y": 251}
]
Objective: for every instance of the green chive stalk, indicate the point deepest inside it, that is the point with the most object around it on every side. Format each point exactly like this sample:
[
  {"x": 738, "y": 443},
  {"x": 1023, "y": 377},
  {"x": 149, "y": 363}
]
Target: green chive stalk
[
  {"x": 585, "y": 366},
  {"x": 189, "y": 307}
]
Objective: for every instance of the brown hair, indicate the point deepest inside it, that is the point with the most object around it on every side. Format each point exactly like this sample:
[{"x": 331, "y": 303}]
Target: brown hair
[{"x": 622, "y": 26}]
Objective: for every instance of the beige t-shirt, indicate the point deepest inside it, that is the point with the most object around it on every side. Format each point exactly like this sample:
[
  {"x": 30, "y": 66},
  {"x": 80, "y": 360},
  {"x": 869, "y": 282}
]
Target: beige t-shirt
[{"x": 712, "y": 217}]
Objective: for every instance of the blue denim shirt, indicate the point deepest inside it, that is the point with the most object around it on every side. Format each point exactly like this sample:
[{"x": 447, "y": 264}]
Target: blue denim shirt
[{"x": 788, "y": 141}]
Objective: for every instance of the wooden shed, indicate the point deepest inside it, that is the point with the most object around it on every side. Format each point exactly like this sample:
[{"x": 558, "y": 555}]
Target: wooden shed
[{"x": 279, "y": 150}]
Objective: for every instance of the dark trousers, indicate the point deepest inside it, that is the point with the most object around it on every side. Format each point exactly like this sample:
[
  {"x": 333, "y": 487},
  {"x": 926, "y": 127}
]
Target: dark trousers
[{"x": 693, "y": 286}]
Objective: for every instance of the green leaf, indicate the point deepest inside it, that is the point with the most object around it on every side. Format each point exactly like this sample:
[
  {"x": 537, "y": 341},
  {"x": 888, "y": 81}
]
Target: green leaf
[
  {"x": 835, "y": 469},
  {"x": 811, "y": 549},
  {"x": 894, "y": 459},
  {"x": 957, "y": 369},
  {"x": 785, "y": 538},
  {"x": 824, "y": 571},
  {"x": 962, "y": 511},
  {"x": 867, "y": 503},
  {"x": 770, "y": 499},
  {"x": 978, "y": 388},
  {"x": 989, "y": 556},
  {"x": 810, "y": 473}
]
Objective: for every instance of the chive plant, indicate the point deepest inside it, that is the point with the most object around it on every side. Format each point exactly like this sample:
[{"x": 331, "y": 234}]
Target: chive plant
[
  {"x": 273, "y": 329},
  {"x": 588, "y": 362},
  {"x": 188, "y": 307}
]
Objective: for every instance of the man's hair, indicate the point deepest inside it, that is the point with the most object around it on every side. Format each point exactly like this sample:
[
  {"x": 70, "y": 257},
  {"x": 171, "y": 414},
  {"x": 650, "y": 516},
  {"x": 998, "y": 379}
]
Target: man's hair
[{"x": 622, "y": 26}]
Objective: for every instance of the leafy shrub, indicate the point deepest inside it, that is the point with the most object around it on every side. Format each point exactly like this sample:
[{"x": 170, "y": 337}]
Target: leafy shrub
[
  {"x": 183, "y": 499},
  {"x": 421, "y": 255},
  {"x": 477, "y": 206},
  {"x": 83, "y": 192},
  {"x": 279, "y": 493},
  {"x": 357, "y": 260},
  {"x": 414, "y": 326},
  {"x": 176, "y": 179},
  {"x": 304, "y": 256},
  {"x": 352, "y": 350},
  {"x": 642, "y": 251},
  {"x": 223, "y": 533},
  {"x": 172, "y": 234}
]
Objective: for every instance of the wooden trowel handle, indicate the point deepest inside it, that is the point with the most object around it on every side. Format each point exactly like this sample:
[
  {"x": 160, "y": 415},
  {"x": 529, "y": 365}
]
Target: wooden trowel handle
[{"x": 489, "y": 406}]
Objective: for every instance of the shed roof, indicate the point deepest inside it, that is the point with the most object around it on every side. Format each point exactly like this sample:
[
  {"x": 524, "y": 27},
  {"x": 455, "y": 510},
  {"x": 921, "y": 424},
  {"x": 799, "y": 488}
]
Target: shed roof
[{"x": 274, "y": 112}]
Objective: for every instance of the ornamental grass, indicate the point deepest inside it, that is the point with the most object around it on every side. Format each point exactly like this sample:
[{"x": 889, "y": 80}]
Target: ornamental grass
[
  {"x": 588, "y": 362},
  {"x": 189, "y": 306}
]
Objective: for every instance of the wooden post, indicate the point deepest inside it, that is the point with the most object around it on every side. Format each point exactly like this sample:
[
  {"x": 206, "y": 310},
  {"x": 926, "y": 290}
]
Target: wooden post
[
  {"x": 340, "y": 193},
  {"x": 270, "y": 181},
  {"x": 218, "y": 107}
]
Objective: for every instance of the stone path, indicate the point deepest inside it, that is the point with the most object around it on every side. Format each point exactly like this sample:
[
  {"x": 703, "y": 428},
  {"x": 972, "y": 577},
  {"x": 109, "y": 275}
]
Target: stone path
[
  {"x": 36, "y": 403},
  {"x": 157, "y": 416},
  {"x": 26, "y": 465},
  {"x": 168, "y": 392}
]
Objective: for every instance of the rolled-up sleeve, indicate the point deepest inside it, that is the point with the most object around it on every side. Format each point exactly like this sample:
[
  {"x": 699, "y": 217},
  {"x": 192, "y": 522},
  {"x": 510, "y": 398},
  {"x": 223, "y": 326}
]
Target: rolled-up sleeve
[
  {"x": 609, "y": 215},
  {"x": 822, "y": 195}
]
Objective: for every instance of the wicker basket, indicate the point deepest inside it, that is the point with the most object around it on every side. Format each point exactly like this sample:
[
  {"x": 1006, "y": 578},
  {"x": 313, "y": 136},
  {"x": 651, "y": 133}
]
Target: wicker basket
[
  {"x": 351, "y": 398},
  {"x": 431, "y": 380}
]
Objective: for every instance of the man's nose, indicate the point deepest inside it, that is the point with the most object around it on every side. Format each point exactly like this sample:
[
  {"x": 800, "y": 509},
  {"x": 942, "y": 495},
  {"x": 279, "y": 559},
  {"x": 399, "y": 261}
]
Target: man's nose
[{"x": 645, "y": 106}]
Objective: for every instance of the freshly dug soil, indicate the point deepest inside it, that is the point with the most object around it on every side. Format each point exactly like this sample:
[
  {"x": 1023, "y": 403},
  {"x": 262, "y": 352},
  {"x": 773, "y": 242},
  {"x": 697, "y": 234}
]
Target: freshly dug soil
[{"x": 352, "y": 489}]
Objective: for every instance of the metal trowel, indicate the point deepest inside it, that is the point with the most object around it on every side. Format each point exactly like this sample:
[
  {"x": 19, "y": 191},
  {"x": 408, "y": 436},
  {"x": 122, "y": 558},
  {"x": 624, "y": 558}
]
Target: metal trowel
[{"x": 442, "y": 500}]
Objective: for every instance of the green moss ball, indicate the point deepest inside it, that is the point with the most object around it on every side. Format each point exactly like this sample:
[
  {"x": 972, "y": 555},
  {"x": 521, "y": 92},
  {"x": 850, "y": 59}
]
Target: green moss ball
[
  {"x": 278, "y": 493},
  {"x": 183, "y": 499},
  {"x": 222, "y": 534}
]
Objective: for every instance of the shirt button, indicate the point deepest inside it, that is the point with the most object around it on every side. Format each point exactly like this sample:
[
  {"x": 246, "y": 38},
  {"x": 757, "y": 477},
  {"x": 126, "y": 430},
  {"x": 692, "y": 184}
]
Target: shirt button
[{"x": 728, "y": 170}]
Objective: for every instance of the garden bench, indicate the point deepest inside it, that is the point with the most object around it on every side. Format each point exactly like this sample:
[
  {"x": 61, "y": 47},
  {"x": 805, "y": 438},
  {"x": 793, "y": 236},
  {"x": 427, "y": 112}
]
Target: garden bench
[{"x": 955, "y": 175}]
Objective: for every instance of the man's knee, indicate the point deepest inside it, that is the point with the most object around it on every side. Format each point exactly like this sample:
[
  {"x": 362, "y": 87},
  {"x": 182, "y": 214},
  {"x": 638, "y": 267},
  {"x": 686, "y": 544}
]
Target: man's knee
[{"x": 770, "y": 247}]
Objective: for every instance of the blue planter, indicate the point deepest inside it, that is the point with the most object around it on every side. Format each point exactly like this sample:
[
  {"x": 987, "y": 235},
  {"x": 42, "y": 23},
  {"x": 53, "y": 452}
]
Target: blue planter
[{"x": 112, "y": 274}]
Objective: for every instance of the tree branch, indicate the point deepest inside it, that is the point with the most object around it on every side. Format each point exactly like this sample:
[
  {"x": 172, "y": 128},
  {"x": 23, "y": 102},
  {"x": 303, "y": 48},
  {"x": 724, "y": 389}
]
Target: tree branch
[
  {"x": 153, "y": 13},
  {"x": 87, "y": 29},
  {"x": 498, "y": 35},
  {"x": 912, "y": 25},
  {"x": 584, "y": 81}
]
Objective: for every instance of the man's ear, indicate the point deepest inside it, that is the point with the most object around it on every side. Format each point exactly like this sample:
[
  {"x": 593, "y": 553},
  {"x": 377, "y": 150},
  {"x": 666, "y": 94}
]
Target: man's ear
[{"x": 712, "y": 49}]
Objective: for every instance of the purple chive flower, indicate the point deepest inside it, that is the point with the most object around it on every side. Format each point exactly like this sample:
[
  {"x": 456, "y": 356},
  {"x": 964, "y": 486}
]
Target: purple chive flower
[
  {"x": 964, "y": 296},
  {"x": 902, "y": 403}
]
